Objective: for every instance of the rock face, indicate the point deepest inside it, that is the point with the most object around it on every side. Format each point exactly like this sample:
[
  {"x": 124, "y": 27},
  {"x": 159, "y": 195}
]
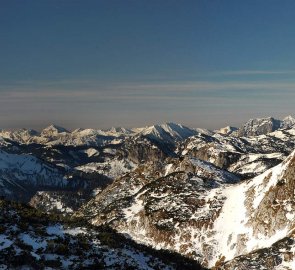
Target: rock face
[
  {"x": 53, "y": 130},
  {"x": 259, "y": 126}
]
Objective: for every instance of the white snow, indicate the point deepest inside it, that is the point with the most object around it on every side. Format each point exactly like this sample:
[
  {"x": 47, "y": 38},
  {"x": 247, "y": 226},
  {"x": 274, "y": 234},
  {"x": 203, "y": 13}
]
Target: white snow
[
  {"x": 135, "y": 208},
  {"x": 59, "y": 230},
  {"x": 232, "y": 221},
  {"x": 112, "y": 168},
  {"x": 168, "y": 168},
  {"x": 260, "y": 190},
  {"x": 76, "y": 231}
]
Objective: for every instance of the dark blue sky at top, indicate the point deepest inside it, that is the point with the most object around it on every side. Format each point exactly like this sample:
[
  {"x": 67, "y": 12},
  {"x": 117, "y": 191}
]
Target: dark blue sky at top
[{"x": 128, "y": 56}]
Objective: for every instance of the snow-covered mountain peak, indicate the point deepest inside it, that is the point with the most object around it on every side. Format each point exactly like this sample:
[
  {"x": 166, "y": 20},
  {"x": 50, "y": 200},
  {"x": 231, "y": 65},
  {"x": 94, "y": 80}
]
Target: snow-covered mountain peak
[
  {"x": 177, "y": 129},
  {"x": 169, "y": 132},
  {"x": 87, "y": 132},
  {"x": 53, "y": 130},
  {"x": 258, "y": 126},
  {"x": 288, "y": 122}
]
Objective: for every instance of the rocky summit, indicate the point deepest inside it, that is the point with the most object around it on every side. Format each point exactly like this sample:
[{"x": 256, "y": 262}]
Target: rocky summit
[{"x": 159, "y": 197}]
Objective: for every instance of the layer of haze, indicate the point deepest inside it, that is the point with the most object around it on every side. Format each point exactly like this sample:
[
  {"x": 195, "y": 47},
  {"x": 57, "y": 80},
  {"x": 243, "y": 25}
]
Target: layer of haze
[{"x": 134, "y": 63}]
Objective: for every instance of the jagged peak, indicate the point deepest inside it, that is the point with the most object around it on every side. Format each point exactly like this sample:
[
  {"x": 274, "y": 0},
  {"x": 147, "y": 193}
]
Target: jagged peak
[
  {"x": 121, "y": 130},
  {"x": 259, "y": 126},
  {"x": 55, "y": 129},
  {"x": 260, "y": 119}
]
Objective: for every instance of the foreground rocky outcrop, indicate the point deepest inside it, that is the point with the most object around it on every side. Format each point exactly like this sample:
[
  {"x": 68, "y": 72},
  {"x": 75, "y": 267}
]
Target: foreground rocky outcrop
[{"x": 32, "y": 240}]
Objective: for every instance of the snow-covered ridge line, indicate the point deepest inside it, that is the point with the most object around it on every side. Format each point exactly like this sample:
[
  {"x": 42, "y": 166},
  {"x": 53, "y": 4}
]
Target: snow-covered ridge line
[
  {"x": 167, "y": 132},
  {"x": 58, "y": 135}
]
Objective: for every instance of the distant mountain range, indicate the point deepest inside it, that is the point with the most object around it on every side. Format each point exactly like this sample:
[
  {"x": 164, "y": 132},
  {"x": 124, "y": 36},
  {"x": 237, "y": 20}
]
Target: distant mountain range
[
  {"x": 168, "y": 132},
  {"x": 176, "y": 196}
]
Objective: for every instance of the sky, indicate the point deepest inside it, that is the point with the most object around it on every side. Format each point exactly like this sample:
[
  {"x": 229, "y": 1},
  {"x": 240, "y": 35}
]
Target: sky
[{"x": 103, "y": 63}]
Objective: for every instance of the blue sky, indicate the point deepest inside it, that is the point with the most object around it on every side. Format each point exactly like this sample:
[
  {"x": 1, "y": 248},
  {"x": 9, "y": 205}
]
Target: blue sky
[{"x": 133, "y": 63}]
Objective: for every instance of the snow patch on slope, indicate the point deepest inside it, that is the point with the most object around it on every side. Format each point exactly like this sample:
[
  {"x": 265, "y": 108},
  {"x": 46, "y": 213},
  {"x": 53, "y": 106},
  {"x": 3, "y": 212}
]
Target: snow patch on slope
[
  {"x": 112, "y": 168},
  {"x": 232, "y": 225}
]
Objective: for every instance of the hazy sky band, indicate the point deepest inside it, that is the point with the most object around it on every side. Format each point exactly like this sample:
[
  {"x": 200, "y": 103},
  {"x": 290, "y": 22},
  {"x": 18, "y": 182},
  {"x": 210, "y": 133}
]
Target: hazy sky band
[
  {"x": 139, "y": 104},
  {"x": 133, "y": 63}
]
